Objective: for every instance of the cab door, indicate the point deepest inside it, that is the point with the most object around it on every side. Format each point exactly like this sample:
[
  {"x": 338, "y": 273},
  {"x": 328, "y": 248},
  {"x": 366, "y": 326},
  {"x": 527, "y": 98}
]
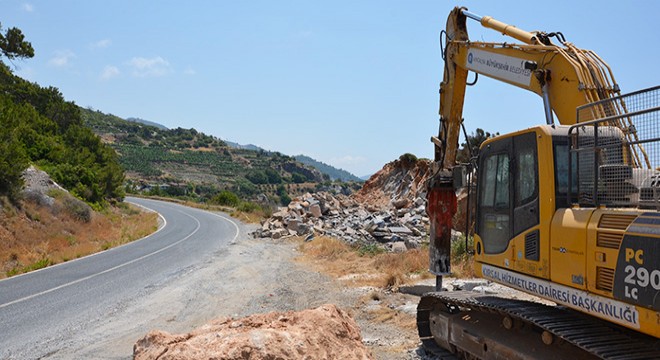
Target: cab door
[{"x": 508, "y": 195}]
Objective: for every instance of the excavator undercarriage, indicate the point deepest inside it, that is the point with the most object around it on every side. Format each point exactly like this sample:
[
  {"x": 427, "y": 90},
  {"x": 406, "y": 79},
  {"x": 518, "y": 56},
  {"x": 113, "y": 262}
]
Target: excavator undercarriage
[{"x": 473, "y": 325}]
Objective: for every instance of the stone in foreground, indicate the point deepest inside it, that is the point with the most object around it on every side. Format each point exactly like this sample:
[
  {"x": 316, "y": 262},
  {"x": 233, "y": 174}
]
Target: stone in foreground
[{"x": 326, "y": 332}]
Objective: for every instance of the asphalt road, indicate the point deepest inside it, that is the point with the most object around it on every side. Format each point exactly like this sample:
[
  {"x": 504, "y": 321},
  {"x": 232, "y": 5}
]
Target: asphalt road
[{"x": 40, "y": 311}]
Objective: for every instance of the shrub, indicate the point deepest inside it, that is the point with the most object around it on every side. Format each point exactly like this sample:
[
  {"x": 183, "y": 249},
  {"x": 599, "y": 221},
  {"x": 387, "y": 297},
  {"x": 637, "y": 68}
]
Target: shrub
[
  {"x": 257, "y": 177},
  {"x": 285, "y": 199},
  {"x": 247, "y": 206},
  {"x": 370, "y": 250},
  {"x": 408, "y": 158},
  {"x": 298, "y": 178},
  {"x": 226, "y": 198},
  {"x": 461, "y": 257},
  {"x": 78, "y": 209},
  {"x": 459, "y": 249}
]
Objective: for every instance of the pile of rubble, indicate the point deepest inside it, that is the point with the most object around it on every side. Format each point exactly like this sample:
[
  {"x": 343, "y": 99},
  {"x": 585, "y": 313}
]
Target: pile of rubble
[
  {"x": 390, "y": 210},
  {"x": 344, "y": 218}
]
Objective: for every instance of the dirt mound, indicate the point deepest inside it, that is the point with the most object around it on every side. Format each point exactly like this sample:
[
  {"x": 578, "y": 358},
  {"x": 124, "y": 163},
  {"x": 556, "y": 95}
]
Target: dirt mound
[
  {"x": 398, "y": 184},
  {"x": 322, "y": 333}
]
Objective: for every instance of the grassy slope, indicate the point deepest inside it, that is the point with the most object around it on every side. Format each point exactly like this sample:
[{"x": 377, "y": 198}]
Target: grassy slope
[{"x": 36, "y": 236}]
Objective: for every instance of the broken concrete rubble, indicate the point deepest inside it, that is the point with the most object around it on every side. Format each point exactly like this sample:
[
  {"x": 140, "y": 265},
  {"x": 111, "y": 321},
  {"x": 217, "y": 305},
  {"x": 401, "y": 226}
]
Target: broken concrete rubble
[{"x": 342, "y": 217}]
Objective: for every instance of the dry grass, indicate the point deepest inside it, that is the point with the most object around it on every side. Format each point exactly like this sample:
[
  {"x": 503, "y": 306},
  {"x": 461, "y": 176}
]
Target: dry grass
[
  {"x": 249, "y": 217},
  {"x": 356, "y": 268},
  {"x": 388, "y": 314},
  {"x": 36, "y": 236},
  {"x": 463, "y": 266},
  {"x": 254, "y": 217}
]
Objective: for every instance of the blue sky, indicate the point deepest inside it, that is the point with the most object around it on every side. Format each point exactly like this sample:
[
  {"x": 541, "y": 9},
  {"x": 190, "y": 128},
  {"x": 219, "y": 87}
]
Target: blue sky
[{"x": 351, "y": 83}]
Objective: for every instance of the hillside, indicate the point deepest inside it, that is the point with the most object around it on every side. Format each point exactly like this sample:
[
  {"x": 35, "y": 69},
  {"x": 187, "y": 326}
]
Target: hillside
[
  {"x": 147, "y": 122},
  {"x": 333, "y": 172},
  {"x": 188, "y": 163}
]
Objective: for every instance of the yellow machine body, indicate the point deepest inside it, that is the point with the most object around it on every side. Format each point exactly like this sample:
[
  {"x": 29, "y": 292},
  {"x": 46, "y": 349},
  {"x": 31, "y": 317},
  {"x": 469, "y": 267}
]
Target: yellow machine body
[{"x": 596, "y": 260}]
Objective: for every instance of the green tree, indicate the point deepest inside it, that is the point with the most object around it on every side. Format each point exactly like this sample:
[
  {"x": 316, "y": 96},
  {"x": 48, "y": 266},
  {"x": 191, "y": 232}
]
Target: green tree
[
  {"x": 285, "y": 199},
  {"x": 13, "y": 44},
  {"x": 13, "y": 160},
  {"x": 273, "y": 176},
  {"x": 472, "y": 145},
  {"x": 257, "y": 177},
  {"x": 298, "y": 178}
]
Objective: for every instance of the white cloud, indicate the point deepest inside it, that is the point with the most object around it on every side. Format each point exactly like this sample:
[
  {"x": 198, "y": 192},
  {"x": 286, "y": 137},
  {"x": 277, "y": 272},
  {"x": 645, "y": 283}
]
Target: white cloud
[
  {"x": 189, "y": 71},
  {"x": 101, "y": 44},
  {"x": 62, "y": 58},
  {"x": 154, "y": 67},
  {"x": 28, "y": 7},
  {"x": 109, "y": 72}
]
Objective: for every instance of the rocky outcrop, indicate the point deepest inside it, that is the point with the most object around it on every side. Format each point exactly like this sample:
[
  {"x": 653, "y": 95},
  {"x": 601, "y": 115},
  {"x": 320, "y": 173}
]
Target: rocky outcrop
[
  {"x": 37, "y": 185},
  {"x": 38, "y": 188},
  {"x": 326, "y": 332},
  {"x": 398, "y": 184}
]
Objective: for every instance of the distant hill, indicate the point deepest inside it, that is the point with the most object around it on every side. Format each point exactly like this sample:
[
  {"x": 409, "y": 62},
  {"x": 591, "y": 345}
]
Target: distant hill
[
  {"x": 244, "y": 147},
  {"x": 186, "y": 162},
  {"x": 147, "y": 122},
  {"x": 333, "y": 172}
]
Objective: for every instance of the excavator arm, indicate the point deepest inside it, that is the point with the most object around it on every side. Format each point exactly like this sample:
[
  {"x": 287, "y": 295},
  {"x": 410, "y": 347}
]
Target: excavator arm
[{"x": 564, "y": 76}]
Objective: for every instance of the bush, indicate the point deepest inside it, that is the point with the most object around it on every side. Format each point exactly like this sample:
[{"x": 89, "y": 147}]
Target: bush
[
  {"x": 244, "y": 187},
  {"x": 458, "y": 248},
  {"x": 408, "y": 158},
  {"x": 298, "y": 178},
  {"x": 285, "y": 199},
  {"x": 273, "y": 176},
  {"x": 78, "y": 209},
  {"x": 226, "y": 198},
  {"x": 257, "y": 177},
  {"x": 247, "y": 206}
]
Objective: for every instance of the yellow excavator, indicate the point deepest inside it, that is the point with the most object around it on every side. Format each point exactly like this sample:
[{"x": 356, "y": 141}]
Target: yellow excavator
[{"x": 568, "y": 210}]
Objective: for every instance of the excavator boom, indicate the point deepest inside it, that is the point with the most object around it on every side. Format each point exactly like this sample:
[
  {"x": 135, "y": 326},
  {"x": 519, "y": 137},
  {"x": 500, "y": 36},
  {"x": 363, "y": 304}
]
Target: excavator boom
[{"x": 566, "y": 77}]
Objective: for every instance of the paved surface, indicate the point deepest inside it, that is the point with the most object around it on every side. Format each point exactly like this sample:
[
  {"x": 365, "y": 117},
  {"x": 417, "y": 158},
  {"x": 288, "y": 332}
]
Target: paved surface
[{"x": 41, "y": 310}]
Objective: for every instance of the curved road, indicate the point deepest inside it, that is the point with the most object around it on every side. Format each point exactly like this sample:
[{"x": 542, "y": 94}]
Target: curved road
[{"x": 42, "y": 309}]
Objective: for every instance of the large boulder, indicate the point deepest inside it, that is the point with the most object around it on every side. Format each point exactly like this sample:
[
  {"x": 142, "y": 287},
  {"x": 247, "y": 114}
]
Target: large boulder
[{"x": 326, "y": 332}]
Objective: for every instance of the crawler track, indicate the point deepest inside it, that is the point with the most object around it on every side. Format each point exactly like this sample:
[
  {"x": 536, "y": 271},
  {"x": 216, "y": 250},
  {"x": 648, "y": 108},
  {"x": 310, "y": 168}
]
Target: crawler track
[{"x": 440, "y": 313}]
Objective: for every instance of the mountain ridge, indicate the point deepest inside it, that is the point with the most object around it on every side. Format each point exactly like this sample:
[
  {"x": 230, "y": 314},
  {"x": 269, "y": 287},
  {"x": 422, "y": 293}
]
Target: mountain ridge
[{"x": 333, "y": 172}]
